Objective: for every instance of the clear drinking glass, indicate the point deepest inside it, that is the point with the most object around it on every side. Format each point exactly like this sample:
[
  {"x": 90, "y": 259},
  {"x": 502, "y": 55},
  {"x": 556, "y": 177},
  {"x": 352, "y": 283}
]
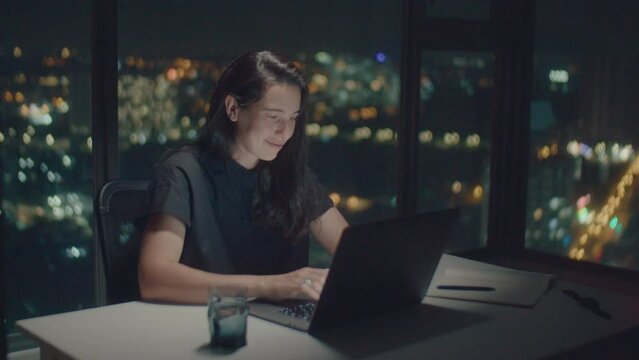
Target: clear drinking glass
[{"x": 227, "y": 314}]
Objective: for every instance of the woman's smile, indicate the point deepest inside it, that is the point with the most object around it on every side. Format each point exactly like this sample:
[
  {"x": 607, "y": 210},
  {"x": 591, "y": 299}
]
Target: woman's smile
[{"x": 275, "y": 144}]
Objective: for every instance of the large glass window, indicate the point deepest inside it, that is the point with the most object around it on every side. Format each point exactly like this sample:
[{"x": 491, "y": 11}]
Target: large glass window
[
  {"x": 45, "y": 159},
  {"x": 582, "y": 190},
  {"x": 350, "y": 55},
  {"x": 456, "y": 90}
]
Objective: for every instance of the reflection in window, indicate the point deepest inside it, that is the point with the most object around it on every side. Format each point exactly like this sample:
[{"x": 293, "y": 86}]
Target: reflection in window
[
  {"x": 582, "y": 200},
  {"x": 454, "y": 139}
]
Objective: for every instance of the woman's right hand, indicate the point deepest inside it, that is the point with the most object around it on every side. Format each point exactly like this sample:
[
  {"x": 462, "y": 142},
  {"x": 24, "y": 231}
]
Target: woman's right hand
[{"x": 304, "y": 283}]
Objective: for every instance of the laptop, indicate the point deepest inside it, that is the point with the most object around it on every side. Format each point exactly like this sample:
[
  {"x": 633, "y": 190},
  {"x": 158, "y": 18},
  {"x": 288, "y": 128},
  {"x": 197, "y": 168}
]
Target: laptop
[{"x": 377, "y": 267}]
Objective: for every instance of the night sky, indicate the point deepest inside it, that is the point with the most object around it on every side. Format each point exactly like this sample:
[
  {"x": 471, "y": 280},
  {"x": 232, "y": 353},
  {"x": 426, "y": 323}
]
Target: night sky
[{"x": 203, "y": 28}]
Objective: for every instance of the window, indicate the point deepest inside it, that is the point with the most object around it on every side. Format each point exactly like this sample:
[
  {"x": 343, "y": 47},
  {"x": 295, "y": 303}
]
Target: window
[
  {"x": 45, "y": 160},
  {"x": 456, "y": 92},
  {"x": 350, "y": 53},
  {"x": 582, "y": 200}
]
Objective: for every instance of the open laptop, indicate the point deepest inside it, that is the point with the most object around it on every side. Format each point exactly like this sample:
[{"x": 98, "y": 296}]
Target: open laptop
[{"x": 377, "y": 267}]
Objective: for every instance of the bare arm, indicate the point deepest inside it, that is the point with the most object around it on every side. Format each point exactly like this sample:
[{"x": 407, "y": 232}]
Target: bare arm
[
  {"x": 328, "y": 229},
  {"x": 163, "y": 277}
]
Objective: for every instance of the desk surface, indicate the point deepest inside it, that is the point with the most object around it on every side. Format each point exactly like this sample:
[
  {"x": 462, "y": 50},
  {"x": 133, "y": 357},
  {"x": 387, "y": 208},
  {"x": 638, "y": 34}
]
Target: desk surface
[{"x": 447, "y": 329}]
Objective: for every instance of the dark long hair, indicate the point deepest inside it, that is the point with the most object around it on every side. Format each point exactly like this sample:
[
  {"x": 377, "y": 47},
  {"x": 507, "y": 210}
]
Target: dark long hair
[{"x": 286, "y": 190}]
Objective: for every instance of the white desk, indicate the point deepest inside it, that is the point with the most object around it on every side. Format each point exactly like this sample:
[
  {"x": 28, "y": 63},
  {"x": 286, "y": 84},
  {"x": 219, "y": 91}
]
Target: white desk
[{"x": 140, "y": 330}]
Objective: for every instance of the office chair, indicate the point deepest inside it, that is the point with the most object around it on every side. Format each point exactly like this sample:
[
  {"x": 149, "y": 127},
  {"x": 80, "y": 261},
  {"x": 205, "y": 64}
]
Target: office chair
[{"x": 119, "y": 204}]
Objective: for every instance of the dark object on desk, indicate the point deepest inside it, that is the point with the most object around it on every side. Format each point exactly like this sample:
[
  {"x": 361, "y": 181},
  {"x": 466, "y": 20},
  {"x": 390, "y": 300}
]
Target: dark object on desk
[
  {"x": 378, "y": 268},
  {"x": 118, "y": 206},
  {"x": 619, "y": 346},
  {"x": 588, "y": 302},
  {"x": 465, "y": 288}
]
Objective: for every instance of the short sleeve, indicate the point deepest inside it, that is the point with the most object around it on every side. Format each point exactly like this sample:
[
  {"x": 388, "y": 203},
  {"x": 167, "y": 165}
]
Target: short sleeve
[{"x": 168, "y": 193}]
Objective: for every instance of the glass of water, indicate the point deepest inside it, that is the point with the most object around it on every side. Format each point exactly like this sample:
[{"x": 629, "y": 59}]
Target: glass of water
[{"x": 227, "y": 314}]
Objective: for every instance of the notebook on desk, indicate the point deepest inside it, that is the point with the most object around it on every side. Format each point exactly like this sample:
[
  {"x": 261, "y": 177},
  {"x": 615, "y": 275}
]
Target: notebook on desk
[
  {"x": 464, "y": 279},
  {"x": 378, "y": 267}
]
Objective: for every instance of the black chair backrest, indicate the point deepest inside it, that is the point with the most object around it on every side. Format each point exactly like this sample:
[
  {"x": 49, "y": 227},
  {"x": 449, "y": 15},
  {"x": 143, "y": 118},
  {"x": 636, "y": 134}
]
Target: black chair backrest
[{"x": 119, "y": 204}]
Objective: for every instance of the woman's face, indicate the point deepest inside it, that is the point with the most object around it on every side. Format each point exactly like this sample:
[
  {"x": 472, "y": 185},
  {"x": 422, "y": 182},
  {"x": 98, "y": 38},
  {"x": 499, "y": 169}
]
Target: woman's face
[{"x": 264, "y": 126}]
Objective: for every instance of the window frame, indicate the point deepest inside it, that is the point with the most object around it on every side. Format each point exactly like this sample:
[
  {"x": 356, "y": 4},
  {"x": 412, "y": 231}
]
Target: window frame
[
  {"x": 511, "y": 42},
  {"x": 104, "y": 116}
]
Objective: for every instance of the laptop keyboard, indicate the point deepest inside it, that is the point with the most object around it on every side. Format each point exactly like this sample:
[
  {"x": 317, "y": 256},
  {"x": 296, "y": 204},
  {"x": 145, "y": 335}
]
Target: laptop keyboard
[{"x": 302, "y": 311}]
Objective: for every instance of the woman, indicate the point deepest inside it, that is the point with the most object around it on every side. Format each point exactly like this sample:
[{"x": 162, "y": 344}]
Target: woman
[{"x": 234, "y": 208}]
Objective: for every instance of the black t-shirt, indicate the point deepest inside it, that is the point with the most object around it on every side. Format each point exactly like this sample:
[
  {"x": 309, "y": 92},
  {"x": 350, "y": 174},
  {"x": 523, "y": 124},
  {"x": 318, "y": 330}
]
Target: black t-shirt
[{"x": 213, "y": 198}]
